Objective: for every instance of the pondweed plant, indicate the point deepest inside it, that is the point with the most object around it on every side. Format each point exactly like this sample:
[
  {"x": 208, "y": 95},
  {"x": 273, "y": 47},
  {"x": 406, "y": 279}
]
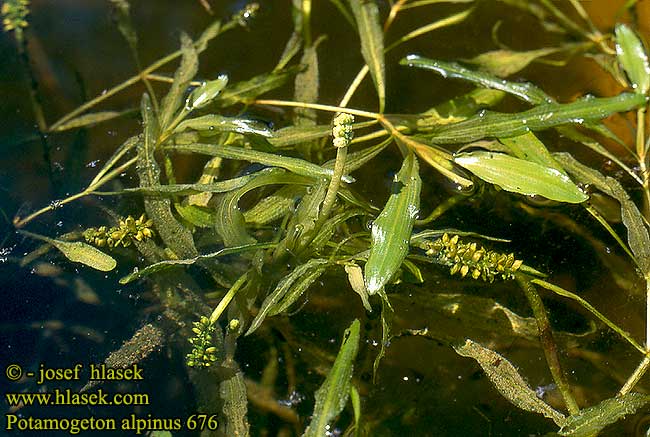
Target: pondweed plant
[{"x": 265, "y": 234}]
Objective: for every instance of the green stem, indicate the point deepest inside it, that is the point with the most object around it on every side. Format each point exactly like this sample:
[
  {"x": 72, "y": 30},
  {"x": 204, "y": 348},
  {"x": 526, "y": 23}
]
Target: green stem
[
  {"x": 548, "y": 343},
  {"x": 641, "y": 369},
  {"x": 225, "y": 301}
]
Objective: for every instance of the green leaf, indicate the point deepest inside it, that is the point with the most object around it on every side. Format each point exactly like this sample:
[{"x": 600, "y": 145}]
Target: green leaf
[
  {"x": 332, "y": 396},
  {"x": 391, "y": 230},
  {"x": 504, "y": 63},
  {"x": 274, "y": 206},
  {"x": 633, "y": 58},
  {"x": 529, "y": 148},
  {"x": 217, "y": 123},
  {"x": 80, "y": 252},
  {"x": 366, "y": 15},
  {"x": 175, "y": 236},
  {"x": 295, "y": 165},
  {"x": 519, "y": 176},
  {"x": 288, "y": 290},
  {"x": 171, "y": 263},
  {"x": 230, "y": 224},
  {"x": 182, "y": 78},
  {"x": 188, "y": 189},
  {"x": 87, "y": 120},
  {"x": 592, "y": 420},
  {"x": 434, "y": 25},
  {"x": 508, "y": 381},
  {"x": 525, "y": 91},
  {"x": 124, "y": 23},
  {"x": 196, "y": 215},
  {"x": 293, "y": 135},
  {"x": 500, "y": 125},
  {"x": 206, "y": 92},
  {"x": 247, "y": 91}
]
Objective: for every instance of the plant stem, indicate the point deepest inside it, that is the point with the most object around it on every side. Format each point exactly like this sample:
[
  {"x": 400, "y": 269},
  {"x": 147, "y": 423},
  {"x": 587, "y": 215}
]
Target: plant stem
[
  {"x": 318, "y": 106},
  {"x": 333, "y": 188},
  {"x": 548, "y": 343},
  {"x": 635, "y": 377},
  {"x": 225, "y": 301}
]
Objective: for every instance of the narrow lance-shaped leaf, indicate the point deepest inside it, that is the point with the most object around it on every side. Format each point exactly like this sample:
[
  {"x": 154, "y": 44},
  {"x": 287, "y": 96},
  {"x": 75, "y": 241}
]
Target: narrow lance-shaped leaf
[
  {"x": 633, "y": 58},
  {"x": 332, "y": 396},
  {"x": 525, "y": 91},
  {"x": 392, "y": 229},
  {"x": 90, "y": 119},
  {"x": 249, "y": 90},
  {"x": 495, "y": 124},
  {"x": 184, "y": 74},
  {"x": 295, "y": 165},
  {"x": 80, "y": 252},
  {"x": 216, "y": 123},
  {"x": 519, "y": 176},
  {"x": 592, "y": 420},
  {"x": 288, "y": 290},
  {"x": 366, "y": 15},
  {"x": 503, "y": 63},
  {"x": 507, "y": 380},
  {"x": 178, "y": 238},
  {"x": 530, "y": 148}
]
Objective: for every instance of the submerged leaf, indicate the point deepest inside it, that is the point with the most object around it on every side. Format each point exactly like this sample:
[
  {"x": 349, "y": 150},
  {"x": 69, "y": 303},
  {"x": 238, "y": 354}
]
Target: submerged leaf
[
  {"x": 366, "y": 15},
  {"x": 632, "y": 56},
  {"x": 332, "y": 396},
  {"x": 504, "y": 63},
  {"x": 87, "y": 120},
  {"x": 184, "y": 74},
  {"x": 508, "y": 381},
  {"x": 525, "y": 91},
  {"x": 528, "y": 147},
  {"x": 216, "y": 123},
  {"x": 247, "y": 91},
  {"x": 80, "y": 252},
  {"x": 288, "y": 290},
  {"x": 391, "y": 231},
  {"x": 502, "y": 125},
  {"x": 519, "y": 176},
  {"x": 592, "y": 420}
]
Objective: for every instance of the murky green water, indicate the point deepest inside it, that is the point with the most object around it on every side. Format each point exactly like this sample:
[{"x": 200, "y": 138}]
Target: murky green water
[{"x": 58, "y": 314}]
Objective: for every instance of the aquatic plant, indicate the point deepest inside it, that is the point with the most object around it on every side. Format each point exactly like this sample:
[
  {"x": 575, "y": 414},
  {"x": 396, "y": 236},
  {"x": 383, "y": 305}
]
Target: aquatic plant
[{"x": 304, "y": 218}]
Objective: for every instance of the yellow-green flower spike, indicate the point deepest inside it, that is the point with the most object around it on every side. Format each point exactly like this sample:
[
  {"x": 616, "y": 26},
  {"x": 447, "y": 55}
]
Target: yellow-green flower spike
[
  {"x": 471, "y": 259},
  {"x": 127, "y": 231},
  {"x": 203, "y": 354},
  {"x": 342, "y": 129},
  {"x": 14, "y": 15}
]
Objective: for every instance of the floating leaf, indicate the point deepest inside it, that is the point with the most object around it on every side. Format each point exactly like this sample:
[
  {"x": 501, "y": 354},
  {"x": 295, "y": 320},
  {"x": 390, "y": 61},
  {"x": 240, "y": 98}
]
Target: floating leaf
[
  {"x": 503, "y": 63},
  {"x": 508, "y": 381},
  {"x": 288, "y": 290},
  {"x": 519, "y": 176},
  {"x": 525, "y": 91},
  {"x": 332, "y": 396},
  {"x": 391, "y": 230},
  {"x": 501, "y": 125},
  {"x": 217, "y": 123},
  {"x": 592, "y": 420},
  {"x": 80, "y": 252},
  {"x": 632, "y": 56},
  {"x": 366, "y": 15}
]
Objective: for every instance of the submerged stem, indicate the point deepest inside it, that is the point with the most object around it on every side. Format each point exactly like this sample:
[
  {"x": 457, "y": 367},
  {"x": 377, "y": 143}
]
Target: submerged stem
[
  {"x": 641, "y": 369},
  {"x": 225, "y": 301},
  {"x": 548, "y": 343}
]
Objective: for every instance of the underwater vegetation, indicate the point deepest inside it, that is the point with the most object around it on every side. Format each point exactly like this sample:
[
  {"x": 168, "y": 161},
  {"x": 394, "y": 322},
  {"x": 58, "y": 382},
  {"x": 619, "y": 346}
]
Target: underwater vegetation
[{"x": 420, "y": 244}]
